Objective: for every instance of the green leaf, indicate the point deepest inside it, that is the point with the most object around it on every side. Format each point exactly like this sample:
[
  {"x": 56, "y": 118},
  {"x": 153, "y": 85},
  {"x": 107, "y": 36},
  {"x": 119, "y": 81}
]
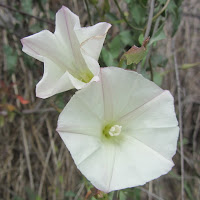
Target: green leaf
[
  {"x": 122, "y": 196},
  {"x": 159, "y": 60},
  {"x": 60, "y": 101},
  {"x": 2, "y": 121},
  {"x": 141, "y": 38},
  {"x": 11, "y": 58},
  {"x": 35, "y": 27},
  {"x": 94, "y": 2},
  {"x": 157, "y": 78},
  {"x": 174, "y": 9},
  {"x": 111, "y": 17},
  {"x": 138, "y": 13},
  {"x": 31, "y": 194},
  {"x": 126, "y": 37},
  {"x": 17, "y": 198},
  {"x": 106, "y": 6},
  {"x": 61, "y": 179},
  {"x": 115, "y": 46},
  {"x": 188, "y": 191},
  {"x": 136, "y": 54},
  {"x": 107, "y": 57},
  {"x": 38, "y": 198},
  {"x": 189, "y": 65},
  {"x": 159, "y": 35},
  {"x": 70, "y": 194},
  {"x": 27, "y": 6},
  {"x": 11, "y": 116}
]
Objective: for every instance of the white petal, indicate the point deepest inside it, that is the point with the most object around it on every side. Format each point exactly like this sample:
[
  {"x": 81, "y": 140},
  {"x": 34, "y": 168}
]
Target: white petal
[
  {"x": 84, "y": 113},
  {"x": 44, "y": 45},
  {"x": 125, "y": 91},
  {"x": 92, "y": 64},
  {"x": 98, "y": 167},
  {"x": 76, "y": 142},
  {"x": 162, "y": 140},
  {"x": 135, "y": 164},
  {"x": 92, "y": 36},
  {"x": 66, "y": 22},
  {"x": 54, "y": 80},
  {"x": 156, "y": 113}
]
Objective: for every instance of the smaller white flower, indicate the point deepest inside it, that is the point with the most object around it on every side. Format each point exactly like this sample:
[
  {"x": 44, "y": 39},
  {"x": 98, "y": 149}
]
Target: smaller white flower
[
  {"x": 70, "y": 54},
  {"x": 121, "y": 131}
]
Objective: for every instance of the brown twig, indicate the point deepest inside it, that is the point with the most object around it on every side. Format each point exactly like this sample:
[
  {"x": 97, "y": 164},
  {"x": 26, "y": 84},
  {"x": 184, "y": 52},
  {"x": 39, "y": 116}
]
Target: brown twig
[
  {"x": 191, "y": 15},
  {"x": 88, "y": 11},
  {"x": 79, "y": 191},
  {"x": 44, "y": 172},
  {"x": 197, "y": 126},
  {"x": 52, "y": 142},
  {"x": 26, "y": 149},
  {"x": 150, "y": 194},
  {"x": 150, "y": 189},
  {"x": 116, "y": 195},
  {"x": 26, "y": 14},
  {"x": 180, "y": 119}
]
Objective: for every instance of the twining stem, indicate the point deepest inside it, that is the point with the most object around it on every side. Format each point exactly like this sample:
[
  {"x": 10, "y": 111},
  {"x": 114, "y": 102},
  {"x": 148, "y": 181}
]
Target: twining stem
[
  {"x": 149, "y": 19},
  {"x": 116, "y": 195},
  {"x": 151, "y": 69},
  {"x": 124, "y": 17},
  {"x": 161, "y": 11}
]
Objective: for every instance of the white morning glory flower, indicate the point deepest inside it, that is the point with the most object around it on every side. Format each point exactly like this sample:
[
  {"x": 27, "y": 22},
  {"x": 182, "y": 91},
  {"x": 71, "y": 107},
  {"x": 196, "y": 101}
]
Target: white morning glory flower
[
  {"x": 70, "y": 54},
  {"x": 121, "y": 131}
]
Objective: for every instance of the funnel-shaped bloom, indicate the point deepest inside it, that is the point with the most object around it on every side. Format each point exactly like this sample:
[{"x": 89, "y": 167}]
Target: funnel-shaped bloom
[
  {"x": 70, "y": 54},
  {"x": 121, "y": 131}
]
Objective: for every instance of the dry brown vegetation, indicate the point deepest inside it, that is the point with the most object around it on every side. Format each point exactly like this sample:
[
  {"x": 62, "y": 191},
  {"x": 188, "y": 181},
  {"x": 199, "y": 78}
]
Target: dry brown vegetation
[{"x": 34, "y": 160}]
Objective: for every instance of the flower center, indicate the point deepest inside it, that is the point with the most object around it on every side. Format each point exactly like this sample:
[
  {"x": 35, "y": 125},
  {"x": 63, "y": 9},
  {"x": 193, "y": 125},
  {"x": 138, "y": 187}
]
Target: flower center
[
  {"x": 115, "y": 130},
  {"x": 112, "y": 130}
]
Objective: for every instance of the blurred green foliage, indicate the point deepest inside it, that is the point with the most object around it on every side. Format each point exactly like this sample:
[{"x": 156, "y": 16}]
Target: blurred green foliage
[
  {"x": 132, "y": 26},
  {"x": 11, "y": 58}
]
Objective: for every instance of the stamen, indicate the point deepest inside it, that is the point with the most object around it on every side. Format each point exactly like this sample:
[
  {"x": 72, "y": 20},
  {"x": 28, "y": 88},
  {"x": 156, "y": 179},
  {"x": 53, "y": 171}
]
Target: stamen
[{"x": 115, "y": 130}]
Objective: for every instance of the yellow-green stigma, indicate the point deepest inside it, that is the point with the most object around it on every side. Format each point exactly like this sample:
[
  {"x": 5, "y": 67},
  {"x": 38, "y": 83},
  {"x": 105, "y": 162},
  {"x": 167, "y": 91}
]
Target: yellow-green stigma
[{"x": 112, "y": 130}]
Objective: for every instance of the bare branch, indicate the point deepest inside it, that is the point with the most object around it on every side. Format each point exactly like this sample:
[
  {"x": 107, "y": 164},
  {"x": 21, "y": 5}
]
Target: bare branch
[
  {"x": 180, "y": 118},
  {"x": 26, "y": 14}
]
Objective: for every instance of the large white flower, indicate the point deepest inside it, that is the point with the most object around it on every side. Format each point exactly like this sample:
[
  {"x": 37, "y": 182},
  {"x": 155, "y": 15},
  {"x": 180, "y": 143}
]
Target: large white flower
[
  {"x": 70, "y": 54},
  {"x": 121, "y": 131}
]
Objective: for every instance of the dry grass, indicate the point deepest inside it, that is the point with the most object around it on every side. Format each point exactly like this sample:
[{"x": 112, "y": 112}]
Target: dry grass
[{"x": 32, "y": 155}]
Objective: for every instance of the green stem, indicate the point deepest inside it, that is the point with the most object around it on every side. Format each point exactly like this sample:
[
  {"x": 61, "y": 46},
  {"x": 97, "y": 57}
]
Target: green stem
[
  {"x": 161, "y": 11},
  {"x": 158, "y": 14},
  {"x": 151, "y": 69},
  {"x": 123, "y": 16}
]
